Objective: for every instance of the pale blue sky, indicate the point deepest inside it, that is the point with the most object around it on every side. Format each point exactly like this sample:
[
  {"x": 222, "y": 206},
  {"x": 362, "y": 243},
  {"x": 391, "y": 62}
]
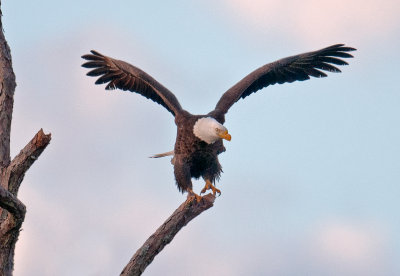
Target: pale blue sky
[{"x": 311, "y": 176}]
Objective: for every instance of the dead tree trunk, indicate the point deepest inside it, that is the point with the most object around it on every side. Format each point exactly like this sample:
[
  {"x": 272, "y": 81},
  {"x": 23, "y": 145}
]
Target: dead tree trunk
[{"x": 12, "y": 210}]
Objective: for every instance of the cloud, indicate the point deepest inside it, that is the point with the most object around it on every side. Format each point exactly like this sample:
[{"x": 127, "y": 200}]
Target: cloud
[
  {"x": 347, "y": 242},
  {"x": 350, "y": 246},
  {"x": 314, "y": 21}
]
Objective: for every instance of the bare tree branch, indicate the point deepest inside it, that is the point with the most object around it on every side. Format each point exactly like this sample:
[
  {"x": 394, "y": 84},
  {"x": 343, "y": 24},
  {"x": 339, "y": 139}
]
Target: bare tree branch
[
  {"x": 22, "y": 162},
  {"x": 165, "y": 233}
]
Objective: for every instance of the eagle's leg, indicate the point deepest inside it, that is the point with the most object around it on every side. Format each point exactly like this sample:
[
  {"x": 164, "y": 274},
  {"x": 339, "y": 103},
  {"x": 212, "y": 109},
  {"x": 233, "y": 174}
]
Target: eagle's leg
[
  {"x": 193, "y": 194},
  {"x": 183, "y": 177},
  {"x": 210, "y": 186}
]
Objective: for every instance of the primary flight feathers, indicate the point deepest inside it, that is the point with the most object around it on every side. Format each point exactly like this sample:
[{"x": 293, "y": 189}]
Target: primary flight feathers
[
  {"x": 122, "y": 75},
  {"x": 294, "y": 68}
]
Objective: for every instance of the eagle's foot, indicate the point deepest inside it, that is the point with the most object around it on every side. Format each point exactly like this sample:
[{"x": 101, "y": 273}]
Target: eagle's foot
[
  {"x": 194, "y": 195},
  {"x": 210, "y": 186}
]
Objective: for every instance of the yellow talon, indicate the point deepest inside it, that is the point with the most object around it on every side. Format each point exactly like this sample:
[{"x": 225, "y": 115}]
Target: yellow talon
[
  {"x": 215, "y": 190},
  {"x": 210, "y": 186},
  {"x": 193, "y": 194}
]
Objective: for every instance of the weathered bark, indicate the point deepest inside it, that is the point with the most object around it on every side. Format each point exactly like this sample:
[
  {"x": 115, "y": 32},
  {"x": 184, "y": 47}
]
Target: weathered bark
[
  {"x": 12, "y": 210},
  {"x": 165, "y": 233},
  {"x": 7, "y": 88}
]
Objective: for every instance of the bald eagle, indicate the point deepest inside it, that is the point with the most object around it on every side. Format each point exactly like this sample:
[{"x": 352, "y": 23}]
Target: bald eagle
[{"x": 199, "y": 137}]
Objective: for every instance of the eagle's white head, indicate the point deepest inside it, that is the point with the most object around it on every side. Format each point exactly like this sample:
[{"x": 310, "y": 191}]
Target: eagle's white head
[{"x": 209, "y": 130}]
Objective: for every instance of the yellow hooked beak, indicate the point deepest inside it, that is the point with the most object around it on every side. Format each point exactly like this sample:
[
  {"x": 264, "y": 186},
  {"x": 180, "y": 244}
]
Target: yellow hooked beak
[{"x": 225, "y": 135}]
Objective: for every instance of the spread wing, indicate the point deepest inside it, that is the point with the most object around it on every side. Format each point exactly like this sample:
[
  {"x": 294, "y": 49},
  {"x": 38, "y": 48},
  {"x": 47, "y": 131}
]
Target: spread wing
[
  {"x": 122, "y": 75},
  {"x": 290, "y": 69}
]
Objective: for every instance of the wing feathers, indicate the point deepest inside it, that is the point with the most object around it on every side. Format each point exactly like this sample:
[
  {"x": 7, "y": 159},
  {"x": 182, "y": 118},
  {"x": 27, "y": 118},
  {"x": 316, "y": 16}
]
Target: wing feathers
[
  {"x": 339, "y": 54},
  {"x": 122, "y": 75},
  {"x": 327, "y": 67},
  {"x": 93, "y": 64},
  {"x": 295, "y": 68},
  {"x": 314, "y": 73},
  {"x": 333, "y": 60},
  {"x": 97, "y": 72}
]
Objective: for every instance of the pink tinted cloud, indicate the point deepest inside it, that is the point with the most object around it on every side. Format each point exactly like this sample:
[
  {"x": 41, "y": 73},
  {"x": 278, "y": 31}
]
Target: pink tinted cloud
[
  {"x": 315, "y": 21},
  {"x": 355, "y": 246}
]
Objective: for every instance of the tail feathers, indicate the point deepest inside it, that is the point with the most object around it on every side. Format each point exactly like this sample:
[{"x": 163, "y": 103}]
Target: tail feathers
[{"x": 162, "y": 154}]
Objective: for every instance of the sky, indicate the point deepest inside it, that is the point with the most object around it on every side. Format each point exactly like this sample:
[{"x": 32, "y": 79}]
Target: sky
[{"x": 311, "y": 176}]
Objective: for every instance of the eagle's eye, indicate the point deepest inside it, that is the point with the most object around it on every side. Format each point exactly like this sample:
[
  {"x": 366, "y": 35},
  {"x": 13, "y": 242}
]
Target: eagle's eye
[{"x": 216, "y": 129}]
